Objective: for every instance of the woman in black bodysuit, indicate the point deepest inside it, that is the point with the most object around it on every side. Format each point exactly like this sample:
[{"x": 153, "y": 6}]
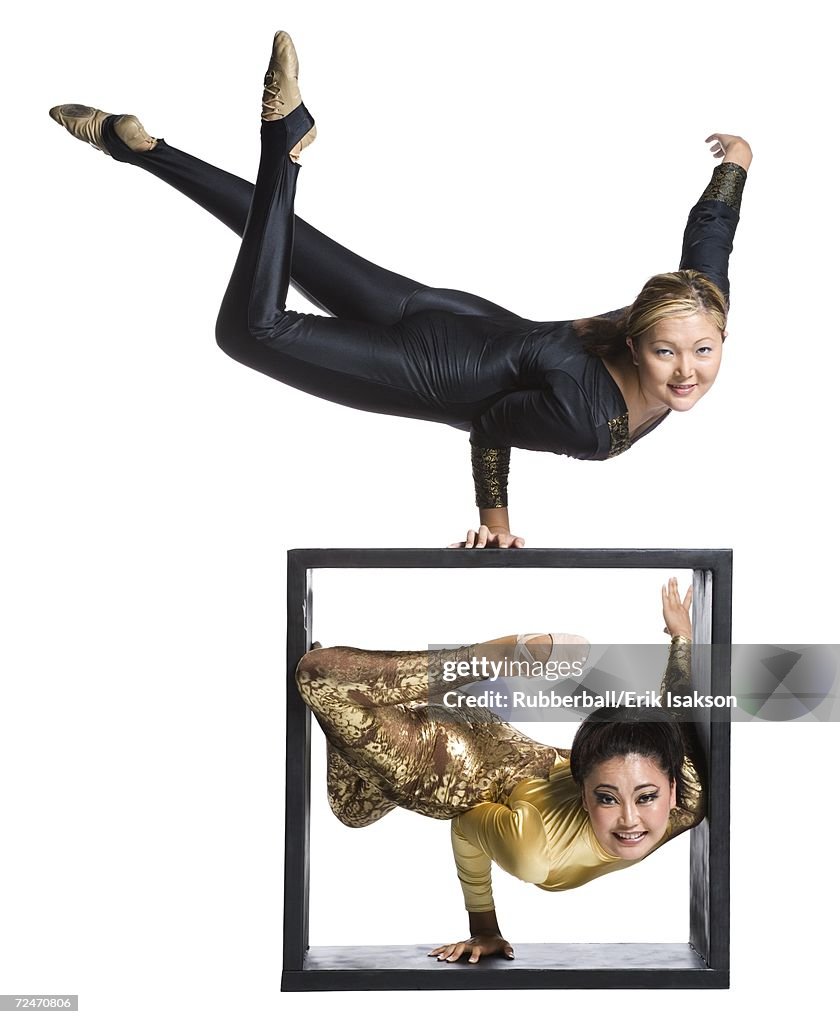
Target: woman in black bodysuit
[{"x": 587, "y": 389}]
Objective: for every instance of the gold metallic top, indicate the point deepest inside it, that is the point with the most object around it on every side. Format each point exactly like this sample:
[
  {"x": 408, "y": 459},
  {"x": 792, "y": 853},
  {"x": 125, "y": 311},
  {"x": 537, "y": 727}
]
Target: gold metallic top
[
  {"x": 490, "y": 468},
  {"x": 727, "y": 185},
  {"x": 541, "y": 833}
]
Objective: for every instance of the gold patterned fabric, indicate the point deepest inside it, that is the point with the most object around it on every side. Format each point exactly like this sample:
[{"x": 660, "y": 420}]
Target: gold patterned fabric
[
  {"x": 354, "y": 800},
  {"x": 727, "y": 185},
  {"x": 490, "y": 468},
  {"x": 389, "y": 745},
  {"x": 619, "y": 434}
]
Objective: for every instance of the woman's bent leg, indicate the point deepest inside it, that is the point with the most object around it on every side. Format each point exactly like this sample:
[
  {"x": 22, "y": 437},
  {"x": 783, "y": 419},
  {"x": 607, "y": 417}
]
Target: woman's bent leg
[
  {"x": 432, "y": 758},
  {"x": 422, "y": 367},
  {"x": 253, "y": 312},
  {"x": 346, "y": 683},
  {"x": 355, "y": 801},
  {"x": 332, "y": 277}
]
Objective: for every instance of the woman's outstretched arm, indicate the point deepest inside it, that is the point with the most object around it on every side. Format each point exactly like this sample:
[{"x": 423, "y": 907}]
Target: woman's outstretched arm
[
  {"x": 709, "y": 233},
  {"x": 677, "y": 681}
]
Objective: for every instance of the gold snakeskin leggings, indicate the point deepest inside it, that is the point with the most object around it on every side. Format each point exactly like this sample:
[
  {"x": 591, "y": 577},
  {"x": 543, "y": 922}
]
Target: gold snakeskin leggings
[{"x": 389, "y": 745}]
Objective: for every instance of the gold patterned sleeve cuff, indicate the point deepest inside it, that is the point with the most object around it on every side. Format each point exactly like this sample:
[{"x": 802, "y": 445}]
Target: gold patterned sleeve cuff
[
  {"x": 727, "y": 185},
  {"x": 677, "y": 677},
  {"x": 677, "y": 680},
  {"x": 490, "y": 467}
]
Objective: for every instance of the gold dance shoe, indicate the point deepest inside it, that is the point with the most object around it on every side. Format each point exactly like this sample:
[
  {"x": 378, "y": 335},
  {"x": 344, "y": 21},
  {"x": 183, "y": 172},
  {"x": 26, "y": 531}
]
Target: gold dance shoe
[
  {"x": 86, "y": 123},
  {"x": 281, "y": 94}
]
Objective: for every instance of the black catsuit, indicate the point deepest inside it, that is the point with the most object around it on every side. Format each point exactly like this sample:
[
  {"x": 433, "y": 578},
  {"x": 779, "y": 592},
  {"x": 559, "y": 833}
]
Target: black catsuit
[{"x": 394, "y": 346}]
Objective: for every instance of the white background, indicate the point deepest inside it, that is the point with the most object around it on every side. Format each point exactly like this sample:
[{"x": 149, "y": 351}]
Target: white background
[{"x": 542, "y": 156}]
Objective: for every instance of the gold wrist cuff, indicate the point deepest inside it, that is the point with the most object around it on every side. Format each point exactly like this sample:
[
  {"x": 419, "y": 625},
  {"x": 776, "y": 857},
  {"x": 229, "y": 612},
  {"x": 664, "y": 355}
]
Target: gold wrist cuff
[
  {"x": 490, "y": 467},
  {"x": 727, "y": 185}
]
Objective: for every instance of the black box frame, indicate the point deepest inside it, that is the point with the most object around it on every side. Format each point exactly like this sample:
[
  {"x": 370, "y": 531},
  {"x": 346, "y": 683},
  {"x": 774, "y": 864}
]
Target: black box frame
[{"x": 702, "y": 962}]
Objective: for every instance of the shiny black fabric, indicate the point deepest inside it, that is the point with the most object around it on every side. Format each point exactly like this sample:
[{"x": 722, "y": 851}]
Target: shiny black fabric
[{"x": 392, "y": 345}]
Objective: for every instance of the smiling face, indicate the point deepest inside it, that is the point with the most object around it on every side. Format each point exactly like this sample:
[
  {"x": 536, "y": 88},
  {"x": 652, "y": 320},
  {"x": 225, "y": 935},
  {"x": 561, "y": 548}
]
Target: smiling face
[
  {"x": 628, "y": 800},
  {"x": 678, "y": 360}
]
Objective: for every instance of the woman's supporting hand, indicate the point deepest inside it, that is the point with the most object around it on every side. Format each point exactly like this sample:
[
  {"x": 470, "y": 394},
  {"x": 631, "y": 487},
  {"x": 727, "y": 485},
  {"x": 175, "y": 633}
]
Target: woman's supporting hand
[
  {"x": 676, "y": 610},
  {"x": 484, "y": 537},
  {"x": 494, "y": 532},
  {"x": 732, "y": 148},
  {"x": 477, "y": 946}
]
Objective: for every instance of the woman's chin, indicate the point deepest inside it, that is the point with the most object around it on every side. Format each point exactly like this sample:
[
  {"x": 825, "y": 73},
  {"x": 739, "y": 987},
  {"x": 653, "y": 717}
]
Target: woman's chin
[{"x": 683, "y": 401}]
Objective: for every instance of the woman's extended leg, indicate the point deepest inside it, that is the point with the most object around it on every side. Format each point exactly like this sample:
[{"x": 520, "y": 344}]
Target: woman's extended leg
[
  {"x": 335, "y": 279},
  {"x": 411, "y": 352}
]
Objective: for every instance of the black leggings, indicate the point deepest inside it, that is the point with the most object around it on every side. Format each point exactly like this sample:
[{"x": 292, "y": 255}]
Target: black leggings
[{"x": 396, "y": 346}]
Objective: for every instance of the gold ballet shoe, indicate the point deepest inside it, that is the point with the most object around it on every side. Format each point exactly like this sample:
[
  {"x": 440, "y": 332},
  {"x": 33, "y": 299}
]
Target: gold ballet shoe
[
  {"x": 86, "y": 123},
  {"x": 565, "y": 647},
  {"x": 281, "y": 94}
]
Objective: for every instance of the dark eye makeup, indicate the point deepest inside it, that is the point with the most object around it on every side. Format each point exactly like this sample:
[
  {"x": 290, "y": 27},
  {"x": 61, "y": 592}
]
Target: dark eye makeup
[{"x": 608, "y": 799}]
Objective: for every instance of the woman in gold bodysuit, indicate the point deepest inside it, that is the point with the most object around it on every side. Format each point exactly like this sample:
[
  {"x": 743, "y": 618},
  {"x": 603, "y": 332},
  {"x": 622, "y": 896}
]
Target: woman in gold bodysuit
[{"x": 557, "y": 818}]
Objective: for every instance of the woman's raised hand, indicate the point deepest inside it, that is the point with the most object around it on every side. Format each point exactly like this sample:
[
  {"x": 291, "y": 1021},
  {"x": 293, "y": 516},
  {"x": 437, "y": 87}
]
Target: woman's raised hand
[
  {"x": 486, "y": 537},
  {"x": 676, "y": 610},
  {"x": 477, "y": 946},
  {"x": 732, "y": 148}
]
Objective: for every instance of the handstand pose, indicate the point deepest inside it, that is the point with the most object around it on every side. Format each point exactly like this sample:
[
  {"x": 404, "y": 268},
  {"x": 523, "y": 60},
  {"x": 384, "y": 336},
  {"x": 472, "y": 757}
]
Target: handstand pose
[
  {"x": 556, "y": 818},
  {"x": 588, "y": 388}
]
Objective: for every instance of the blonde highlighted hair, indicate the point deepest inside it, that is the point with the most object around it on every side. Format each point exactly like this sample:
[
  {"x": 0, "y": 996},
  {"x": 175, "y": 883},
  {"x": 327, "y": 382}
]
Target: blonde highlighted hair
[{"x": 681, "y": 293}]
